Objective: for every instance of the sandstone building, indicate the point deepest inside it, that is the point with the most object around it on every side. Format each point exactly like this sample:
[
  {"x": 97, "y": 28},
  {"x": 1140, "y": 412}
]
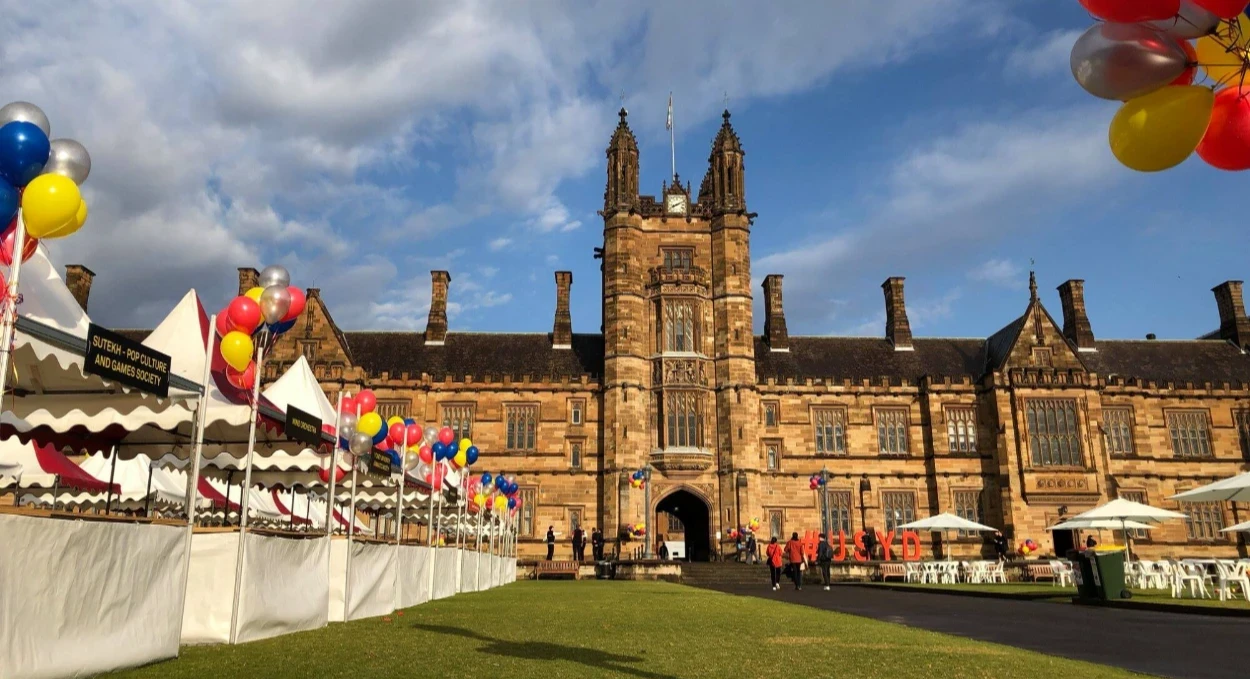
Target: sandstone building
[{"x": 1039, "y": 421}]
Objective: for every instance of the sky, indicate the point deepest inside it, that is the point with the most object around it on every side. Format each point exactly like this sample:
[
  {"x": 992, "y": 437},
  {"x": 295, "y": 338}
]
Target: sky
[{"x": 363, "y": 144}]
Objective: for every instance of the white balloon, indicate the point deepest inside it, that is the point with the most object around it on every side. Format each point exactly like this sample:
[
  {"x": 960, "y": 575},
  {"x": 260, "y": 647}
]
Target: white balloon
[
  {"x": 275, "y": 274},
  {"x": 24, "y": 111},
  {"x": 360, "y": 443}
]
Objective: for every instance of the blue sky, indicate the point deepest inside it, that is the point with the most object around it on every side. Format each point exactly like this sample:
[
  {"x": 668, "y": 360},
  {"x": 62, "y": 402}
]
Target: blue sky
[{"x": 363, "y": 145}]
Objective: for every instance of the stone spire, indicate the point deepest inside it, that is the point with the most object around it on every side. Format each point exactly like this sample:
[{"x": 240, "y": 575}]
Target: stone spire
[
  {"x": 726, "y": 170},
  {"x": 621, "y": 192}
]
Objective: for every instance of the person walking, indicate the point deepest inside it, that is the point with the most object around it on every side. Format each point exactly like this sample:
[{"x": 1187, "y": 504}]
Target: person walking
[
  {"x": 596, "y": 544},
  {"x": 661, "y": 549},
  {"x": 579, "y": 544},
  {"x": 870, "y": 543},
  {"x": 753, "y": 550},
  {"x": 1090, "y": 542},
  {"x": 1000, "y": 545},
  {"x": 794, "y": 553},
  {"x": 773, "y": 554},
  {"x": 824, "y": 558},
  {"x": 551, "y": 542}
]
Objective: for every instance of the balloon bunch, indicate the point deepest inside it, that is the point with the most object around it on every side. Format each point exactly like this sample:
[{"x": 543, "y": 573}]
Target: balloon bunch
[
  {"x": 638, "y": 479},
  {"x": 262, "y": 313},
  {"x": 40, "y": 176},
  {"x": 360, "y": 426},
  {"x": 815, "y": 481},
  {"x": 1149, "y": 54},
  {"x": 734, "y": 534},
  {"x": 1028, "y": 547},
  {"x": 754, "y": 525},
  {"x": 497, "y": 492},
  {"x": 638, "y": 530}
]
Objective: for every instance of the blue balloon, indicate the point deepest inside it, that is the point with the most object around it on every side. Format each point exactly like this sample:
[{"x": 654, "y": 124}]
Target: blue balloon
[
  {"x": 9, "y": 202},
  {"x": 409, "y": 421},
  {"x": 281, "y": 327},
  {"x": 440, "y": 451},
  {"x": 380, "y": 436},
  {"x": 511, "y": 503},
  {"x": 501, "y": 482},
  {"x": 396, "y": 460},
  {"x": 342, "y": 443},
  {"x": 486, "y": 479},
  {"x": 470, "y": 455},
  {"x": 24, "y": 150}
]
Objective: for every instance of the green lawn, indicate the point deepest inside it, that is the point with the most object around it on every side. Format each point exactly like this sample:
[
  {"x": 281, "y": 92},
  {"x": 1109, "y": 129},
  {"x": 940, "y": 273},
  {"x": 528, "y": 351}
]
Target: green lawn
[
  {"x": 652, "y": 630},
  {"x": 1047, "y": 592}
]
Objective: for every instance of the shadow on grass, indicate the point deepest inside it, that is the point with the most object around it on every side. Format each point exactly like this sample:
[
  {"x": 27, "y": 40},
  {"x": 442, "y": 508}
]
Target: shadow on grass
[{"x": 541, "y": 650}]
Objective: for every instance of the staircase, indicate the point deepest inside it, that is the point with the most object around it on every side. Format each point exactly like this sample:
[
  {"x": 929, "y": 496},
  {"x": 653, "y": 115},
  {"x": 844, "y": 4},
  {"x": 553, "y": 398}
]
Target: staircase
[{"x": 724, "y": 575}]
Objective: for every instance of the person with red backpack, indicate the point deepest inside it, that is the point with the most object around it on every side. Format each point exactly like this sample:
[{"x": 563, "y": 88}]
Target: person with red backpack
[{"x": 773, "y": 554}]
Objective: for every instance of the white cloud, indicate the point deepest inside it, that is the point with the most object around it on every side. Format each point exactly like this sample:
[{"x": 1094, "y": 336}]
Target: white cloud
[
  {"x": 499, "y": 243},
  {"x": 1048, "y": 55},
  {"x": 1001, "y": 272}
]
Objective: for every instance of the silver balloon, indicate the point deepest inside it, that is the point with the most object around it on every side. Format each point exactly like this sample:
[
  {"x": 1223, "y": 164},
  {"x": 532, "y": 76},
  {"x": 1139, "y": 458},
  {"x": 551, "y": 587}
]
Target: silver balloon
[
  {"x": 431, "y": 434},
  {"x": 411, "y": 460},
  {"x": 1191, "y": 22},
  {"x": 275, "y": 301},
  {"x": 360, "y": 443},
  {"x": 275, "y": 274},
  {"x": 25, "y": 111},
  {"x": 347, "y": 424},
  {"x": 423, "y": 470},
  {"x": 69, "y": 158},
  {"x": 346, "y": 459},
  {"x": 1124, "y": 61}
]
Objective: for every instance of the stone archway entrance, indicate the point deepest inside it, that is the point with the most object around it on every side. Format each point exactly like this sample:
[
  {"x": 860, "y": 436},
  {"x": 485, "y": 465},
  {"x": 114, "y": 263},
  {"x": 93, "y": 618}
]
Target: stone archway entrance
[{"x": 682, "y": 516}]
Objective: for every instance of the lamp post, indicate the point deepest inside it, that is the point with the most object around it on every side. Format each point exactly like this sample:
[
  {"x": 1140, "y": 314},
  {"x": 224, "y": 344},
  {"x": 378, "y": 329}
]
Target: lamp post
[
  {"x": 825, "y": 519},
  {"x": 865, "y": 487},
  {"x": 646, "y": 507}
]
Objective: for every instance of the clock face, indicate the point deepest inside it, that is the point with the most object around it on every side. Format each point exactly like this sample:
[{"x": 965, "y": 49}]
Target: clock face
[{"x": 676, "y": 203}]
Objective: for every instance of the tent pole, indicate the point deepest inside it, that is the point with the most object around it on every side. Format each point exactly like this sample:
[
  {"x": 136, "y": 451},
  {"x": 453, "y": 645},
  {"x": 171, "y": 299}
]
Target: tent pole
[
  {"x": 193, "y": 473},
  {"x": 334, "y": 465},
  {"x": 431, "y": 535},
  {"x": 243, "y": 496},
  {"x": 351, "y": 532},
  {"x": 147, "y": 497},
  {"x": 56, "y": 489},
  {"x": 8, "y": 314},
  {"x": 108, "y": 503}
]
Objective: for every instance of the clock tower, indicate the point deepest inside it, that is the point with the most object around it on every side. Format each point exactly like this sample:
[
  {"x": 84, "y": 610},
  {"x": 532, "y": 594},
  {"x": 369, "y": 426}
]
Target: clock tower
[{"x": 679, "y": 369}]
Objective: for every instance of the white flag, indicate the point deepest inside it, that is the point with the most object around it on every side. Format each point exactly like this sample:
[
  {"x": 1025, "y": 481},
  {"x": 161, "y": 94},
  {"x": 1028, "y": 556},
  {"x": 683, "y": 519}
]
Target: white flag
[{"x": 669, "y": 124}]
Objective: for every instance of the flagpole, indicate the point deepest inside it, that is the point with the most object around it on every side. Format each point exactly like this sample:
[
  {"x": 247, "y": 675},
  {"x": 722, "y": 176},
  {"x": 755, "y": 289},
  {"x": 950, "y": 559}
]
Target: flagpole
[{"x": 672, "y": 138}]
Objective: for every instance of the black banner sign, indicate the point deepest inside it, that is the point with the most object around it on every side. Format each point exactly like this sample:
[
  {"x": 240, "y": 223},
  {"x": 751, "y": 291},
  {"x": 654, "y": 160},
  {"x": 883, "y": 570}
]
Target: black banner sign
[
  {"x": 380, "y": 464},
  {"x": 122, "y": 360},
  {"x": 302, "y": 427}
]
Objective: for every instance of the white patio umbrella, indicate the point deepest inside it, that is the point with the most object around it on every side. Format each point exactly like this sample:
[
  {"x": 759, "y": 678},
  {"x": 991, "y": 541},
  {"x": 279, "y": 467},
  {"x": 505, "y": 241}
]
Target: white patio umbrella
[
  {"x": 1122, "y": 511},
  {"x": 1234, "y": 489},
  {"x": 1100, "y": 524},
  {"x": 1243, "y": 527},
  {"x": 946, "y": 522}
]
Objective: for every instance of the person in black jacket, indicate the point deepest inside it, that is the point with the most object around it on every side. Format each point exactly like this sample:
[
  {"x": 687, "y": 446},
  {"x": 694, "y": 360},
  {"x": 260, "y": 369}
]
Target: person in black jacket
[
  {"x": 870, "y": 543},
  {"x": 824, "y": 559},
  {"x": 596, "y": 544},
  {"x": 579, "y": 544},
  {"x": 551, "y": 542},
  {"x": 1000, "y": 545}
]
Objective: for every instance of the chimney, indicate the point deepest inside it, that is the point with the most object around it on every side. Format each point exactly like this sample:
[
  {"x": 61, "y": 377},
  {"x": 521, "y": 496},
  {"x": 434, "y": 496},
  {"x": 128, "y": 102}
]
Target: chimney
[
  {"x": 1151, "y": 336},
  {"x": 897, "y": 329},
  {"x": 78, "y": 279},
  {"x": 562, "y": 332},
  {"x": 1076, "y": 325},
  {"x": 774, "y": 315},
  {"x": 436, "y": 326},
  {"x": 1234, "y": 326},
  {"x": 248, "y": 278}
]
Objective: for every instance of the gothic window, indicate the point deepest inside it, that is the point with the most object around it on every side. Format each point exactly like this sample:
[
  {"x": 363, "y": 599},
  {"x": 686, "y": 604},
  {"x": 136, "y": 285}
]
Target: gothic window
[
  {"x": 685, "y": 419},
  {"x": 770, "y": 414},
  {"x": 575, "y": 520},
  {"x": 521, "y": 423},
  {"x": 773, "y": 452},
  {"x": 839, "y": 509},
  {"x": 309, "y": 350},
  {"x": 1241, "y": 419},
  {"x": 899, "y": 508},
  {"x": 968, "y": 506},
  {"x": 678, "y": 259},
  {"x": 575, "y": 455},
  {"x": 576, "y": 411},
  {"x": 460, "y": 418},
  {"x": 679, "y": 325},
  {"x": 394, "y": 408},
  {"x": 1191, "y": 433},
  {"x": 777, "y": 524},
  {"x": 961, "y": 430},
  {"x": 892, "y": 431},
  {"x": 1053, "y": 436},
  {"x": 674, "y": 524},
  {"x": 1205, "y": 520},
  {"x": 1117, "y": 430},
  {"x": 1136, "y": 496},
  {"x": 1042, "y": 356},
  {"x": 830, "y": 431},
  {"x": 529, "y": 504}
]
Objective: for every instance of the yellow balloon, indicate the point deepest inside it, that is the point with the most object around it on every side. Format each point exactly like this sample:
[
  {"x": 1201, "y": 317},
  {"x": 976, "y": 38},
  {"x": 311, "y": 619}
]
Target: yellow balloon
[
  {"x": 369, "y": 423},
  {"x": 49, "y": 203},
  {"x": 479, "y": 500},
  {"x": 393, "y": 420},
  {"x": 501, "y": 503},
  {"x": 465, "y": 444},
  {"x": 1161, "y": 129},
  {"x": 1221, "y": 54},
  {"x": 254, "y": 294},
  {"x": 461, "y": 458},
  {"x": 72, "y": 225},
  {"x": 237, "y": 348}
]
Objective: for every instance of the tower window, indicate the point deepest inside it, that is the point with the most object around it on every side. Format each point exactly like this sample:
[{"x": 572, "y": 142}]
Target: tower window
[
  {"x": 830, "y": 431},
  {"x": 678, "y": 259},
  {"x": 679, "y": 325},
  {"x": 521, "y": 425},
  {"x": 684, "y": 419}
]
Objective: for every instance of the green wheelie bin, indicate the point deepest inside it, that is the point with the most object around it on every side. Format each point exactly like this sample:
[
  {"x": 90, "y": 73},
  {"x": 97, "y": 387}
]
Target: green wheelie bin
[{"x": 1100, "y": 575}]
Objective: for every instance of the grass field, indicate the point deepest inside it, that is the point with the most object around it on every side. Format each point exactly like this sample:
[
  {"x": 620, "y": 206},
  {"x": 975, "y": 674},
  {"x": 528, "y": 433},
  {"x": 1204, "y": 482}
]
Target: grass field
[
  {"x": 551, "y": 630},
  {"x": 1048, "y": 592}
]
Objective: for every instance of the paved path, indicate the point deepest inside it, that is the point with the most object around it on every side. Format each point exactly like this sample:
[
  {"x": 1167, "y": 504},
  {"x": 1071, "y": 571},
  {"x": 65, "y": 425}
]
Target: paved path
[{"x": 1166, "y": 644}]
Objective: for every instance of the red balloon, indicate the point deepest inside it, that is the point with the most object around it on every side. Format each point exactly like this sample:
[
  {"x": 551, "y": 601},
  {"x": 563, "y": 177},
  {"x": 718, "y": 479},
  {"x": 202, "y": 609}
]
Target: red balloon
[
  {"x": 396, "y": 433},
  {"x": 297, "y": 304},
  {"x": 29, "y": 245},
  {"x": 427, "y": 454},
  {"x": 1224, "y": 9},
  {"x": 222, "y": 325},
  {"x": 434, "y": 477},
  {"x": 244, "y": 314},
  {"x": 1191, "y": 70},
  {"x": 244, "y": 379},
  {"x": 324, "y": 474},
  {"x": 1226, "y": 144},
  {"x": 415, "y": 433},
  {"x": 367, "y": 401},
  {"x": 348, "y": 405},
  {"x": 447, "y": 435},
  {"x": 1132, "y": 11}
]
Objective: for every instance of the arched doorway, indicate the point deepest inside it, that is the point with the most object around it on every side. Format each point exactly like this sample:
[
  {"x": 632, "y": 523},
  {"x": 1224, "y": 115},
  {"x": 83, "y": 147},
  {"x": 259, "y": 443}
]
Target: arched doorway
[{"x": 685, "y": 517}]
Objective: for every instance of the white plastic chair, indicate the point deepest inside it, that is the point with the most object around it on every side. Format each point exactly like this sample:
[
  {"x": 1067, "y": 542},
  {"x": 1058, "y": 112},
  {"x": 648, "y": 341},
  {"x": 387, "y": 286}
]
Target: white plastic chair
[
  {"x": 995, "y": 573},
  {"x": 911, "y": 572},
  {"x": 1062, "y": 574},
  {"x": 1229, "y": 574},
  {"x": 1192, "y": 575}
]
